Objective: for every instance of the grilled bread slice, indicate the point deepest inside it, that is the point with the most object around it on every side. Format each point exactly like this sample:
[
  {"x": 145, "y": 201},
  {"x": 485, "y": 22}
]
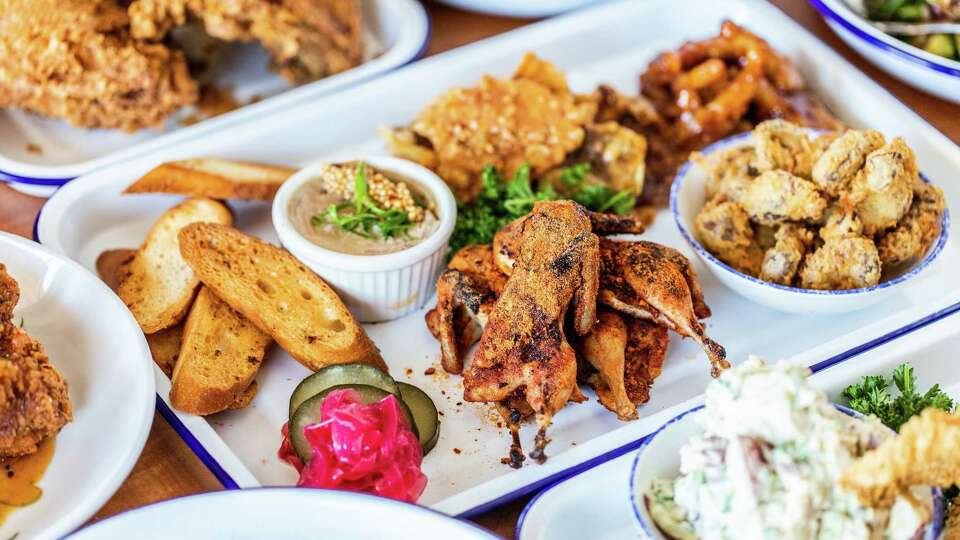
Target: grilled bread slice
[
  {"x": 214, "y": 178},
  {"x": 279, "y": 295},
  {"x": 112, "y": 266},
  {"x": 159, "y": 285},
  {"x": 246, "y": 398},
  {"x": 219, "y": 357}
]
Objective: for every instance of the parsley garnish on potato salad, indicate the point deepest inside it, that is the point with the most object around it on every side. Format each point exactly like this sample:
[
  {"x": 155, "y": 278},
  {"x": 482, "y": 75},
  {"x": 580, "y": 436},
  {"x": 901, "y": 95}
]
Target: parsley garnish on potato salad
[
  {"x": 872, "y": 396},
  {"x": 501, "y": 201}
]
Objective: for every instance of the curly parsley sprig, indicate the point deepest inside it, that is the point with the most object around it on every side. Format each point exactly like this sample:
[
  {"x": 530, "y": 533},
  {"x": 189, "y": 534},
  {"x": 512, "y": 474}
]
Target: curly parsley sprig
[{"x": 872, "y": 396}]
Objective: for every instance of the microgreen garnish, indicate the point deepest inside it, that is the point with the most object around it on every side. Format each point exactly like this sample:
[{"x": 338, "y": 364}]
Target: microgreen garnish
[{"x": 362, "y": 216}]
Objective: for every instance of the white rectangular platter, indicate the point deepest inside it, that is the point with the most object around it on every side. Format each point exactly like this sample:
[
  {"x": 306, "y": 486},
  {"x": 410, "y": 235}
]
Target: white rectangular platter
[
  {"x": 397, "y": 31},
  {"x": 611, "y": 43},
  {"x": 596, "y": 503}
]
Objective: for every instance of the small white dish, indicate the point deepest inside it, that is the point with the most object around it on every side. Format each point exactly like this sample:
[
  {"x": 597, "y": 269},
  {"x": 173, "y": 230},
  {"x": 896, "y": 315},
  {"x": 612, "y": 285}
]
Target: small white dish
[
  {"x": 687, "y": 197},
  {"x": 282, "y": 513},
  {"x": 659, "y": 457},
  {"x": 376, "y": 288},
  {"x": 93, "y": 341},
  {"x": 927, "y": 71}
]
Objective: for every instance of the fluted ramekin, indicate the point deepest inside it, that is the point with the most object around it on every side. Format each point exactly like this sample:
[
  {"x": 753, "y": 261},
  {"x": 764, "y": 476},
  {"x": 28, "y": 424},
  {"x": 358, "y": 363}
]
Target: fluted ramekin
[{"x": 375, "y": 288}]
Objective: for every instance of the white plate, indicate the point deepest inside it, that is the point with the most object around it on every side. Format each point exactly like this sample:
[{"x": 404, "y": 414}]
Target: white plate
[
  {"x": 94, "y": 342},
  {"x": 927, "y": 71},
  {"x": 515, "y": 8},
  {"x": 597, "y": 45},
  {"x": 282, "y": 514},
  {"x": 399, "y": 29},
  {"x": 596, "y": 503}
]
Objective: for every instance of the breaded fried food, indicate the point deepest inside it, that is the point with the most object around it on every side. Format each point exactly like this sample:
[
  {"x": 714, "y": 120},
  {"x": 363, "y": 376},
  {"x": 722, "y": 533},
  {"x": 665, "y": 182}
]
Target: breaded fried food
[
  {"x": 308, "y": 39},
  {"x": 780, "y": 262},
  {"x": 923, "y": 454},
  {"x": 776, "y": 197},
  {"x": 915, "y": 234},
  {"x": 531, "y": 118},
  {"x": 883, "y": 190},
  {"x": 77, "y": 60},
  {"x": 844, "y": 263},
  {"x": 34, "y": 403},
  {"x": 724, "y": 229},
  {"x": 843, "y": 159},
  {"x": 781, "y": 145},
  {"x": 729, "y": 171}
]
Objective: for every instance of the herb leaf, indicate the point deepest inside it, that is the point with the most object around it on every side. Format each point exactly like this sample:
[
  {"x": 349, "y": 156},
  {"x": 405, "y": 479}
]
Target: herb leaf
[
  {"x": 367, "y": 219},
  {"x": 872, "y": 396}
]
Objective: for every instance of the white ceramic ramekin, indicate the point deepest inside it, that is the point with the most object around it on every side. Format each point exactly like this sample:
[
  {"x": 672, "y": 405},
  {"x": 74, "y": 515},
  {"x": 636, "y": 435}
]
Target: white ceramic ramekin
[{"x": 375, "y": 287}]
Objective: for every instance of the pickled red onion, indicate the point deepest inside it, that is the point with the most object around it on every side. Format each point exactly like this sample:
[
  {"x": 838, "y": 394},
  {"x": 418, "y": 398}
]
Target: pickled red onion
[{"x": 357, "y": 447}]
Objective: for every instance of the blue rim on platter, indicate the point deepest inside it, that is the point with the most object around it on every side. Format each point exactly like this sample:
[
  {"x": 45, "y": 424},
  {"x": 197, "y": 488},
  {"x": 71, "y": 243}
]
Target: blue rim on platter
[
  {"x": 935, "y": 526},
  {"x": 903, "y": 51},
  {"x": 931, "y": 255}
]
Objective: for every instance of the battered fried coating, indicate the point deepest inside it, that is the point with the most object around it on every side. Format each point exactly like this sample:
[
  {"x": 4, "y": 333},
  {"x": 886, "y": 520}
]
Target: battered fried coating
[
  {"x": 951, "y": 529},
  {"x": 923, "y": 454},
  {"x": 883, "y": 190},
  {"x": 777, "y": 197},
  {"x": 844, "y": 263},
  {"x": 729, "y": 171},
  {"x": 918, "y": 230},
  {"x": 617, "y": 156},
  {"x": 76, "y": 60},
  {"x": 781, "y": 145},
  {"x": 840, "y": 224},
  {"x": 724, "y": 228},
  {"x": 531, "y": 118},
  {"x": 843, "y": 159},
  {"x": 780, "y": 263}
]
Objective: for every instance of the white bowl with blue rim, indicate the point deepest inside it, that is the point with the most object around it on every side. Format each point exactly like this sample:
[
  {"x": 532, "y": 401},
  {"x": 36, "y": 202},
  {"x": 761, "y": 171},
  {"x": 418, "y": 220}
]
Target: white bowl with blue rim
[
  {"x": 688, "y": 196},
  {"x": 659, "y": 457},
  {"x": 929, "y": 72}
]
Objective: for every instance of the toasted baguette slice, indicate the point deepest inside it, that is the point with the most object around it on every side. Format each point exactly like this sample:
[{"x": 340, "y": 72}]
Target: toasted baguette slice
[
  {"x": 278, "y": 294},
  {"x": 214, "y": 178},
  {"x": 159, "y": 285},
  {"x": 112, "y": 266},
  {"x": 246, "y": 398},
  {"x": 165, "y": 347},
  {"x": 219, "y": 358}
]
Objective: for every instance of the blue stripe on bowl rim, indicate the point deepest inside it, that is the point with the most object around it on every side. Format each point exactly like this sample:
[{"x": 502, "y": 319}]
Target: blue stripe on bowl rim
[
  {"x": 932, "y": 254},
  {"x": 634, "y": 445},
  {"x": 932, "y": 532},
  {"x": 902, "y": 51},
  {"x": 11, "y": 178}
]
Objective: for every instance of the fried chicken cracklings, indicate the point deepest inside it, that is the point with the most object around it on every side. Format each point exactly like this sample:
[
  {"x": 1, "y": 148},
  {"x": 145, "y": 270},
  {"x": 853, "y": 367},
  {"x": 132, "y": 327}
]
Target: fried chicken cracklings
[
  {"x": 77, "y": 60},
  {"x": 34, "y": 403},
  {"x": 308, "y": 39}
]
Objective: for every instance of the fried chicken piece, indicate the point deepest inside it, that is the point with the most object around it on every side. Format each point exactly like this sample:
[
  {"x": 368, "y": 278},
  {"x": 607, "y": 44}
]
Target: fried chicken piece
[
  {"x": 850, "y": 262},
  {"x": 523, "y": 354},
  {"x": 724, "y": 228},
  {"x": 843, "y": 159},
  {"x": 530, "y": 118},
  {"x": 34, "y": 403},
  {"x": 729, "y": 171},
  {"x": 781, "y": 145},
  {"x": 643, "y": 280},
  {"x": 918, "y": 230},
  {"x": 924, "y": 453},
  {"x": 883, "y": 190},
  {"x": 777, "y": 197},
  {"x": 76, "y": 60},
  {"x": 780, "y": 263},
  {"x": 308, "y": 39}
]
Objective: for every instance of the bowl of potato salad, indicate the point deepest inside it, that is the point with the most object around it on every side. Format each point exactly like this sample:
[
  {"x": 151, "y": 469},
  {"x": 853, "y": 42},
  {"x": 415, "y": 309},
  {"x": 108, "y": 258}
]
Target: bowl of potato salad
[
  {"x": 767, "y": 456},
  {"x": 806, "y": 221}
]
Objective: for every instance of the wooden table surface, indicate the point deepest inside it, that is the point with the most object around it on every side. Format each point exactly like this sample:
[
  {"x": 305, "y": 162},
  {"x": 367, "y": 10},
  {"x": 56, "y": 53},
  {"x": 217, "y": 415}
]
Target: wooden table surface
[{"x": 168, "y": 469}]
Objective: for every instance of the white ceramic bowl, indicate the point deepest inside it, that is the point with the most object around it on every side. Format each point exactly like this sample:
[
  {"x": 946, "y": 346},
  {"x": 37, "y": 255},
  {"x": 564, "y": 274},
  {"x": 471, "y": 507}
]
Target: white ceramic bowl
[
  {"x": 687, "y": 197},
  {"x": 375, "y": 287},
  {"x": 659, "y": 457},
  {"x": 929, "y": 72}
]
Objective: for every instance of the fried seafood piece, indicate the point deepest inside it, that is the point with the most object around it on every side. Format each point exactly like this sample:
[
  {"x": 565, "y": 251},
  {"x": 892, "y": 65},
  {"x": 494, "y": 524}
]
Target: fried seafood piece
[
  {"x": 782, "y": 145},
  {"x": 777, "y": 197},
  {"x": 725, "y": 230},
  {"x": 523, "y": 354},
  {"x": 34, "y": 403},
  {"x": 843, "y": 159},
  {"x": 729, "y": 171},
  {"x": 840, "y": 223},
  {"x": 850, "y": 262},
  {"x": 307, "y": 39},
  {"x": 466, "y": 294},
  {"x": 924, "y": 453},
  {"x": 780, "y": 262},
  {"x": 918, "y": 230},
  {"x": 530, "y": 118},
  {"x": 627, "y": 354},
  {"x": 76, "y": 60},
  {"x": 883, "y": 190},
  {"x": 644, "y": 280}
]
